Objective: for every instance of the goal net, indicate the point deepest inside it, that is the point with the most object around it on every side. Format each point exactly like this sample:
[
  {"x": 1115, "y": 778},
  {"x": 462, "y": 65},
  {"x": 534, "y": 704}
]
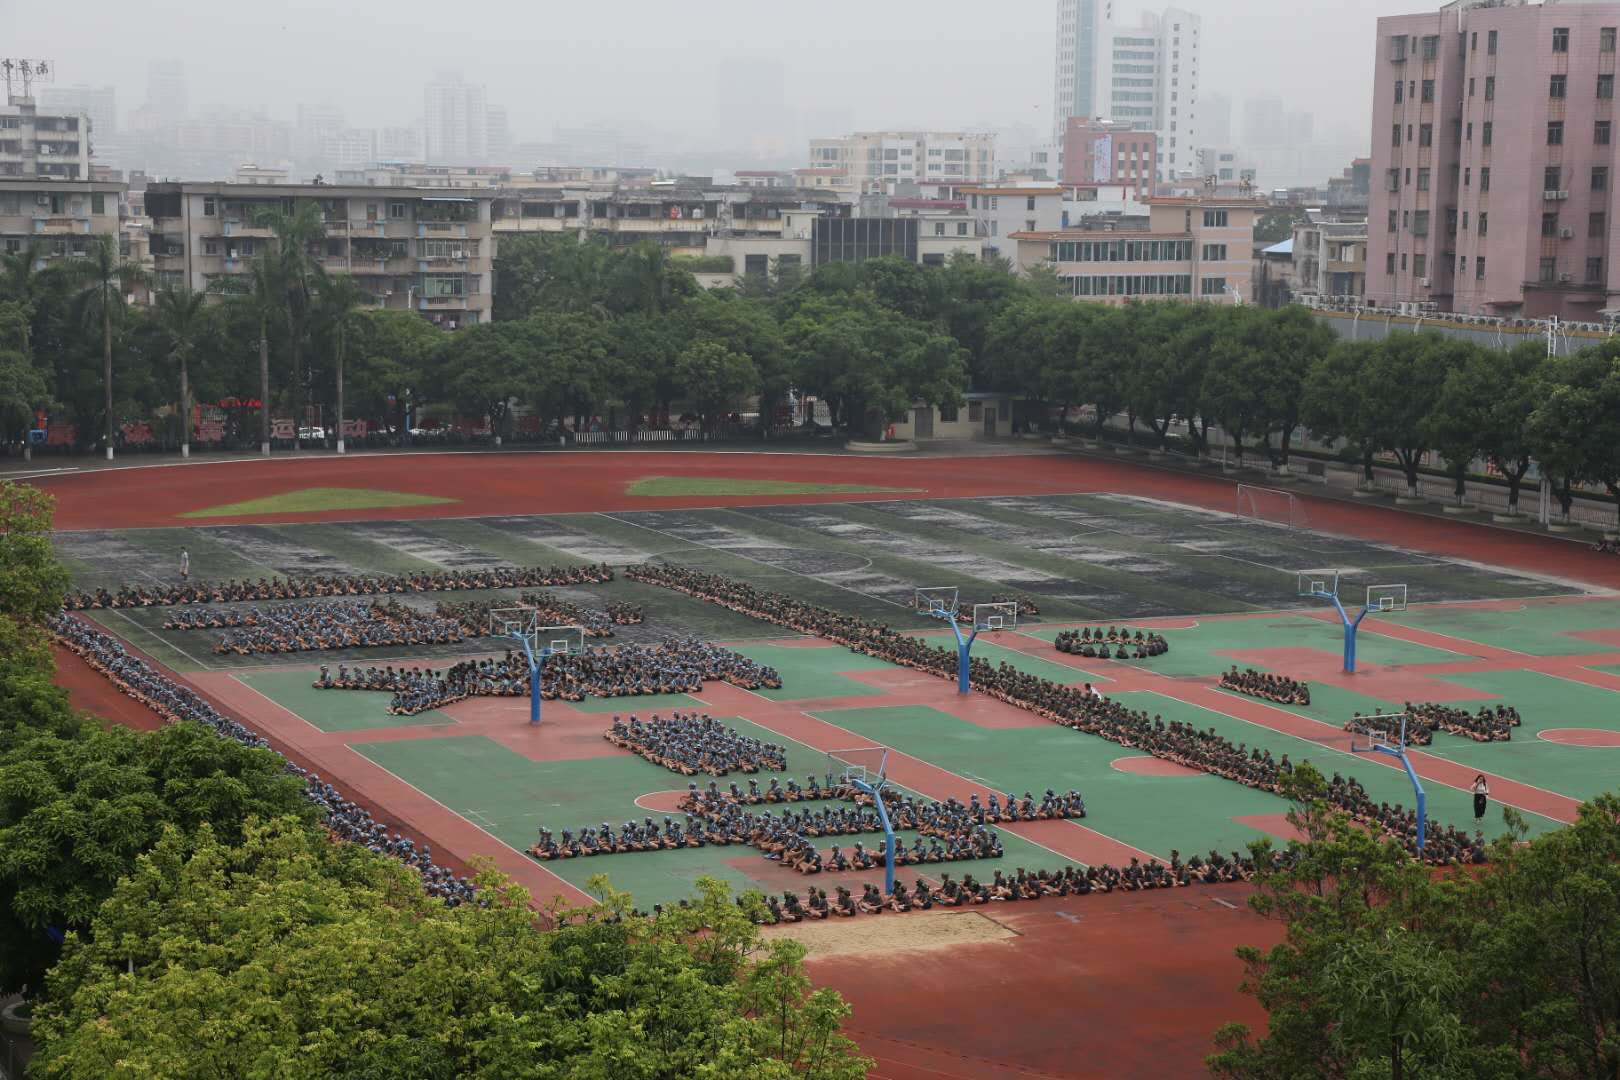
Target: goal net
[{"x": 1271, "y": 505}]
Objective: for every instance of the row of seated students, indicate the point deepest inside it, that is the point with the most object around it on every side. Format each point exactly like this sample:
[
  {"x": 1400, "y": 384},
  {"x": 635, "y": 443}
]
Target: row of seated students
[
  {"x": 798, "y": 853},
  {"x": 478, "y": 615},
  {"x": 1026, "y": 605},
  {"x": 337, "y": 625},
  {"x": 331, "y": 585},
  {"x": 1486, "y": 725},
  {"x": 1115, "y": 644},
  {"x": 1264, "y": 684},
  {"x": 1005, "y": 888},
  {"x": 1082, "y": 708},
  {"x": 675, "y": 666},
  {"x": 345, "y": 819},
  {"x": 690, "y": 743},
  {"x": 1070, "y": 804},
  {"x": 1418, "y": 731}
]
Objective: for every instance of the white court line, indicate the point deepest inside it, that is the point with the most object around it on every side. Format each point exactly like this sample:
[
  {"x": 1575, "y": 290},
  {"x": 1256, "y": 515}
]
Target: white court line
[{"x": 1363, "y": 757}]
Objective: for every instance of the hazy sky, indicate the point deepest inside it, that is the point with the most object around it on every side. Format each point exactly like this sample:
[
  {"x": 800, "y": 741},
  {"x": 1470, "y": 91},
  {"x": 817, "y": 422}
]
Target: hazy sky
[{"x": 948, "y": 63}]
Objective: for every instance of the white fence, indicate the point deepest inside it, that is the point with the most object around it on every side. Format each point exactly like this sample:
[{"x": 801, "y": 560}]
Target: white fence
[{"x": 601, "y": 438}]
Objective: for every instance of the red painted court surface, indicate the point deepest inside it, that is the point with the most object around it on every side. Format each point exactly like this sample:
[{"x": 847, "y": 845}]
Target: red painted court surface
[{"x": 1127, "y": 985}]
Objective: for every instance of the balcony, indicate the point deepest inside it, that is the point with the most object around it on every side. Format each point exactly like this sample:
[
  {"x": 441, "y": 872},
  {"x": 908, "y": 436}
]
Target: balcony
[
  {"x": 61, "y": 225},
  {"x": 441, "y": 229},
  {"x": 335, "y": 225},
  {"x": 651, "y": 225},
  {"x": 236, "y": 227},
  {"x": 439, "y": 302}
]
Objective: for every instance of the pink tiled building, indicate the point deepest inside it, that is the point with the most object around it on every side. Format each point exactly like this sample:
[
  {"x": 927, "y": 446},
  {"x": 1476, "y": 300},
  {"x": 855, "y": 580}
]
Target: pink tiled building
[
  {"x": 1494, "y": 160},
  {"x": 1105, "y": 152}
]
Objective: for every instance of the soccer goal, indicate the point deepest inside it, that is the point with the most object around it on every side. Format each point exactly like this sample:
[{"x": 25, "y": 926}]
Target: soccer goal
[
  {"x": 1271, "y": 505},
  {"x": 1318, "y": 583},
  {"x": 998, "y": 616},
  {"x": 936, "y": 601}
]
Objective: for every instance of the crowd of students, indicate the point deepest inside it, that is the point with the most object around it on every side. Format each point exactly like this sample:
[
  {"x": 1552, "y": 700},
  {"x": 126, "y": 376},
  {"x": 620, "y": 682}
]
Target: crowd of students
[
  {"x": 674, "y": 666},
  {"x": 177, "y": 703},
  {"x": 1115, "y": 644},
  {"x": 329, "y": 585},
  {"x": 1487, "y": 725},
  {"x": 1025, "y": 605},
  {"x": 1267, "y": 686},
  {"x": 1082, "y": 708},
  {"x": 560, "y": 612},
  {"x": 689, "y": 743},
  {"x": 333, "y": 625},
  {"x": 1002, "y": 888}
]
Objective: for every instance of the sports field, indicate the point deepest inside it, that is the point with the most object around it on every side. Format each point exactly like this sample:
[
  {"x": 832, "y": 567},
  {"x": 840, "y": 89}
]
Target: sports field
[{"x": 1221, "y": 589}]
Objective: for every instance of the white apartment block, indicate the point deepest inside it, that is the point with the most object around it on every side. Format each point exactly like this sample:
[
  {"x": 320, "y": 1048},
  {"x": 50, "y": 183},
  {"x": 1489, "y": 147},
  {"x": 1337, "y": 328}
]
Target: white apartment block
[
  {"x": 410, "y": 248},
  {"x": 872, "y": 162},
  {"x": 61, "y": 216},
  {"x": 1002, "y": 211},
  {"x": 45, "y": 145},
  {"x": 455, "y": 121},
  {"x": 1146, "y": 76}
]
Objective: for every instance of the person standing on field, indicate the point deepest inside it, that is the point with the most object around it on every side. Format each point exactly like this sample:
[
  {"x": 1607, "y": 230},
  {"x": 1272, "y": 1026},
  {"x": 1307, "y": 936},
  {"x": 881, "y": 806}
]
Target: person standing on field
[
  {"x": 185, "y": 565},
  {"x": 1482, "y": 793}
]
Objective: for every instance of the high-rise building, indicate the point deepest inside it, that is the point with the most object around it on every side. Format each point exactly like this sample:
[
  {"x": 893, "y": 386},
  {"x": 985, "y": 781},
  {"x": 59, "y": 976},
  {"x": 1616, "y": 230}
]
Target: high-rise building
[
  {"x": 455, "y": 121},
  {"x": 874, "y": 162},
  {"x": 497, "y": 135},
  {"x": 400, "y": 143},
  {"x": 39, "y": 143},
  {"x": 1080, "y": 28},
  {"x": 1494, "y": 162},
  {"x": 1146, "y": 76},
  {"x": 315, "y": 124},
  {"x": 349, "y": 148},
  {"x": 99, "y": 103},
  {"x": 166, "y": 95},
  {"x": 1215, "y": 120}
]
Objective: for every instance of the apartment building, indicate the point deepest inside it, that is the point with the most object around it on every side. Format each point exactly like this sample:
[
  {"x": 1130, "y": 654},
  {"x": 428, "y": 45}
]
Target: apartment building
[
  {"x": 877, "y": 161},
  {"x": 1000, "y": 212},
  {"x": 415, "y": 249},
  {"x": 1329, "y": 256},
  {"x": 1109, "y": 152},
  {"x": 61, "y": 216},
  {"x": 1193, "y": 249},
  {"x": 43, "y": 144},
  {"x": 1145, "y": 76},
  {"x": 1494, "y": 162}
]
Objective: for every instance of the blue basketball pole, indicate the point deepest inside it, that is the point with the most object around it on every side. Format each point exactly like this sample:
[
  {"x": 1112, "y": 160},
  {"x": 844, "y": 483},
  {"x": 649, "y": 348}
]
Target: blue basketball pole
[
  {"x": 963, "y": 646},
  {"x": 1399, "y": 754},
  {"x": 534, "y": 676},
  {"x": 888, "y": 831},
  {"x": 1350, "y": 627}
]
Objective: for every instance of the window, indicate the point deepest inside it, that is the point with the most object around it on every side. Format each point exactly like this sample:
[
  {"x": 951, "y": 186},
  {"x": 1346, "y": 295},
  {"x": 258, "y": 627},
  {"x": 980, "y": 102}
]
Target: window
[
  {"x": 1400, "y": 90},
  {"x": 1560, "y": 39},
  {"x": 1465, "y": 221},
  {"x": 1029, "y": 204},
  {"x": 1389, "y": 263},
  {"x": 1403, "y": 262},
  {"x": 1214, "y": 219},
  {"x": 1490, "y": 85},
  {"x": 1485, "y": 133},
  {"x": 939, "y": 228},
  {"x": 1597, "y": 225},
  {"x": 1605, "y": 87},
  {"x": 1392, "y": 221},
  {"x": 98, "y": 203},
  {"x": 1423, "y": 179},
  {"x": 1395, "y": 135},
  {"x": 1557, "y": 86},
  {"x": 1431, "y": 46},
  {"x": 1215, "y": 252},
  {"x": 1606, "y": 39},
  {"x": 1490, "y": 45},
  {"x": 1426, "y": 135},
  {"x": 1555, "y": 133},
  {"x": 1212, "y": 286},
  {"x": 1594, "y": 269},
  {"x": 1420, "y": 263},
  {"x": 1470, "y": 131},
  {"x": 210, "y": 247},
  {"x": 947, "y": 414},
  {"x": 1600, "y": 178},
  {"x": 1420, "y": 223},
  {"x": 396, "y": 211},
  {"x": 1428, "y": 90},
  {"x": 1549, "y": 270},
  {"x": 1470, "y": 86},
  {"x": 1485, "y": 178},
  {"x": 1550, "y": 177},
  {"x": 1600, "y": 133},
  {"x": 1481, "y": 226},
  {"x": 208, "y": 206},
  {"x": 1473, "y": 41},
  {"x": 1479, "y": 260},
  {"x": 961, "y": 228},
  {"x": 1549, "y": 224},
  {"x": 1029, "y": 226}
]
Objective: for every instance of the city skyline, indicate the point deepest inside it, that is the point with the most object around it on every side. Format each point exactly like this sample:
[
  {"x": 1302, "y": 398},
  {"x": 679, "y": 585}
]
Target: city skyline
[{"x": 677, "y": 68}]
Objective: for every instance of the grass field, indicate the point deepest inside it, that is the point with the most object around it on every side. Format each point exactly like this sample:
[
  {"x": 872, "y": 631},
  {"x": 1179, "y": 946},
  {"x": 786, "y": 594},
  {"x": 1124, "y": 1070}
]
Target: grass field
[
  {"x": 1222, "y": 587},
  {"x": 310, "y": 500}
]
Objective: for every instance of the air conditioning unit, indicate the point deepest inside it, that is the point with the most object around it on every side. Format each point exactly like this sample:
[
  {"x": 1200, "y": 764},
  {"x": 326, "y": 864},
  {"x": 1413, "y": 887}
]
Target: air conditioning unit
[
  {"x": 1423, "y": 282},
  {"x": 1566, "y": 278},
  {"x": 1566, "y": 233}
]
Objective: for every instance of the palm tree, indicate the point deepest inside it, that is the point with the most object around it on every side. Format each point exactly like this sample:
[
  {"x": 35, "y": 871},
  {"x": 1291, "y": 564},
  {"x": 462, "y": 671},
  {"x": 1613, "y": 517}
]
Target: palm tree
[
  {"x": 180, "y": 313},
  {"x": 297, "y": 274},
  {"x": 104, "y": 277},
  {"x": 20, "y": 272},
  {"x": 338, "y": 296},
  {"x": 259, "y": 294}
]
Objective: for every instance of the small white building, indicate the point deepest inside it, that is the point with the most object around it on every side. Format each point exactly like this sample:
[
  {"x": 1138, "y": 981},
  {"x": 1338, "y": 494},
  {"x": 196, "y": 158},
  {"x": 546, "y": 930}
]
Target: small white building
[{"x": 982, "y": 416}]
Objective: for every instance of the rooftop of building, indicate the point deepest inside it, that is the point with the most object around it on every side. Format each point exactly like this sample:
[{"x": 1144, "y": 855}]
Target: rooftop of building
[
  {"x": 992, "y": 190},
  {"x": 50, "y": 183},
  {"x": 1045, "y": 235}
]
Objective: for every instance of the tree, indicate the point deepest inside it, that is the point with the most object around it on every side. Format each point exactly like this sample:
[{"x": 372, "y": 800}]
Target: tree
[
  {"x": 22, "y": 390},
  {"x": 104, "y": 278},
  {"x": 1495, "y": 395},
  {"x": 1237, "y": 380},
  {"x": 387, "y": 354},
  {"x": 1277, "y": 225},
  {"x": 32, "y": 582},
  {"x": 1401, "y": 389},
  {"x": 296, "y": 276},
  {"x": 715, "y": 378},
  {"x": 290, "y": 954},
  {"x": 482, "y": 370},
  {"x": 336, "y": 299},
  {"x": 259, "y": 298},
  {"x": 180, "y": 313},
  {"x": 1297, "y": 340},
  {"x": 1566, "y": 443}
]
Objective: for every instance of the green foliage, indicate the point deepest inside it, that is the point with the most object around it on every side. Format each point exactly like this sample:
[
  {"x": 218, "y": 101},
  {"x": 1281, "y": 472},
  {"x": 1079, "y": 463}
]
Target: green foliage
[
  {"x": 705, "y": 264},
  {"x": 32, "y": 582}
]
